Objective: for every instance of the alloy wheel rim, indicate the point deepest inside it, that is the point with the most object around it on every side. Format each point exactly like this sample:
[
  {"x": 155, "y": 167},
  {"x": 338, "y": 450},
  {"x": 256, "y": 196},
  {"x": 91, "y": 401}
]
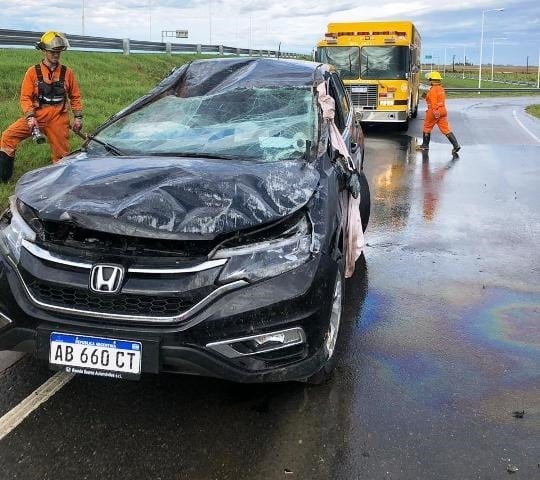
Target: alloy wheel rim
[{"x": 335, "y": 318}]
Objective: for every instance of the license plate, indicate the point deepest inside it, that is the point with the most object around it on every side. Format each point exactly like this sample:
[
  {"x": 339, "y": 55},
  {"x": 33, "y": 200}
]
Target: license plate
[
  {"x": 359, "y": 89},
  {"x": 102, "y": 357}
]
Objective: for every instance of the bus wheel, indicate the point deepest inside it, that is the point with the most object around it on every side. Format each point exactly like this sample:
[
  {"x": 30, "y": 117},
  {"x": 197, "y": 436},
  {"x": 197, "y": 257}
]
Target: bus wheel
[{"x": 403, "y": 126}]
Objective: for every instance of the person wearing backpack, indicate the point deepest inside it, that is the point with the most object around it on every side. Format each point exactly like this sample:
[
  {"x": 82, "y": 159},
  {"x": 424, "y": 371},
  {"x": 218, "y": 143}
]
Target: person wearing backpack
[{"x": 49, "y": 89}]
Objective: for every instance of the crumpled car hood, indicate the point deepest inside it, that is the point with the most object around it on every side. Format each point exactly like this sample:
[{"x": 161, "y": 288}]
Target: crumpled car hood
[{"x": 170, "y": 198}]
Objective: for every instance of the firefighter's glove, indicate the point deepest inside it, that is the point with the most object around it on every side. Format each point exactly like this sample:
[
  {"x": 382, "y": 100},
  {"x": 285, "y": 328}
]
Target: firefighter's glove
[
  {"x": 354, "y": 184},
  {"x": 32, "y": 123},
  {"x": 437, "y": 115},
  {"x": 77, "y": 124}
]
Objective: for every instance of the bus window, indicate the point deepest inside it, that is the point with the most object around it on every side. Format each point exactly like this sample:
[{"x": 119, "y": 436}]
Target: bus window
[
  {"x": 384, "y": 62},
  {"x": 345, "y": 59}
]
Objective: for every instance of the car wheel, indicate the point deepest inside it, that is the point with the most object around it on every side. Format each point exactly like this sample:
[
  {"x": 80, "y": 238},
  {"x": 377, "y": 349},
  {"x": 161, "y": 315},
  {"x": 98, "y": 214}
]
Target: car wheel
[
  {"x": 332, "y": 335},
  {"x": 365, "y": 201}
]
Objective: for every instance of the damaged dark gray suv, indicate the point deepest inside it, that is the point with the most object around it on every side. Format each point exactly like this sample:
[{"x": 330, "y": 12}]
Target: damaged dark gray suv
[{"x": 206, "y": 229}]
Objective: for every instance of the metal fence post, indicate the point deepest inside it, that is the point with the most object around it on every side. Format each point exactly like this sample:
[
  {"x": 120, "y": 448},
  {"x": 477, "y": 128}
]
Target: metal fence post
[
  {"x": 221, "y": 50},
  {"x": 168, "y": 48},
  {"x": 199, "y": 48},
  {"x": 125, "y": 46}
]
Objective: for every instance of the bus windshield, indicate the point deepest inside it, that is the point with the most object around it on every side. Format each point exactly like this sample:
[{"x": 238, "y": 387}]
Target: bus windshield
[
  {"x": 384, "y": 63},
  {"x": 345, "y": 59}
]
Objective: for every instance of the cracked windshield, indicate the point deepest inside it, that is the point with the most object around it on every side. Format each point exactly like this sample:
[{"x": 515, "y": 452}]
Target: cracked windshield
[
  {"x": 369, "y": 62},
  {"x": 263, "y": 124}
]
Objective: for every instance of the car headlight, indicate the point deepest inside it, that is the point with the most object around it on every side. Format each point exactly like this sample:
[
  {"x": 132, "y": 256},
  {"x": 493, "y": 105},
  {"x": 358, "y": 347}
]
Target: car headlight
[
  {"x": 18, "y": 229},
  {"x": 268, "y": 258}
]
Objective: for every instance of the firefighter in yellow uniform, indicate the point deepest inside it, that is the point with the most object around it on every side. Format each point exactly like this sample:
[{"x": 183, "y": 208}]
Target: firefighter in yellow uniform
[
  {"x": 437, "y": 114},
  {"x": 48, "y": 90}
]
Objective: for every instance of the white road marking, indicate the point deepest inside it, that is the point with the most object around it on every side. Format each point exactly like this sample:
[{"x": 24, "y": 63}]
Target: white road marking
[
  {"x": 40, "y": 395},
  {"x": 524, "y": 127}
]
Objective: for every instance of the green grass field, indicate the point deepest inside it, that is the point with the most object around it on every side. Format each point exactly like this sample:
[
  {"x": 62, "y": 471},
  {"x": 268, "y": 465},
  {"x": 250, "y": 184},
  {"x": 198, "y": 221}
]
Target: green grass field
[
  {"x": 108, "y": 82},
  {"x": 455, "y": 80}
]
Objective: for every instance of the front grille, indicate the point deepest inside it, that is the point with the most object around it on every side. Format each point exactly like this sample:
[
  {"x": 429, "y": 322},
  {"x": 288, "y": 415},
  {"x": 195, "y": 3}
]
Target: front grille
[
  {"x": 63, "y": 237},
  {"x": 123, "y": 304},
  {"x": 363, "y": 95}
]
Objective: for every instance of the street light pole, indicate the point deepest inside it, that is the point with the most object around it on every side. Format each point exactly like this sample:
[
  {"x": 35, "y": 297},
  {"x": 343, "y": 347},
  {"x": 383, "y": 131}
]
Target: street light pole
[
  {"x": 493, "y": 53},
  {"x": 444, "y": 66},
  {"x": 538, "y": 75},
  {"x": 464, "y": 61},
  {"x": 210, "y": 21},
  {"x": 150, "y": 20},
  {"x": 482, "y": 42},
  {"x": 82, "y": 19}
]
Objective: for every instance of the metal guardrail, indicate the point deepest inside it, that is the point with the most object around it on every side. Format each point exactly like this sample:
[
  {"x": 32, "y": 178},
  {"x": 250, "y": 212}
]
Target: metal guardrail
[
  {"x": 27, "y": 39},
  {"x": 491, "y": 90}
]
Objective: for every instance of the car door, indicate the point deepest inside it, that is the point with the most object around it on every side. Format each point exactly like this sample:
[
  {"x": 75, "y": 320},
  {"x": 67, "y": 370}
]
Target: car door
[
  {"x": 344, "y": 119},
  {"x": 353, "y": 137}
]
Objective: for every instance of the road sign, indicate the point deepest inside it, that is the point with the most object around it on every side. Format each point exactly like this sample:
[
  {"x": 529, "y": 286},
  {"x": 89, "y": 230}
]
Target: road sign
[
  {"x": 428, "y": 57},
  {"x": 181, "y": 34}
]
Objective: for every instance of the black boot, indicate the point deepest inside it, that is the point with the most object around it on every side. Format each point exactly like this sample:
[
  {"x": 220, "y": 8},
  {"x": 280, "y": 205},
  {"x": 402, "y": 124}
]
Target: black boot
[
  {"x": 454, "y": 143},
  {"x": 425, "y": 141},
  {"x": 6, "y": 166}
]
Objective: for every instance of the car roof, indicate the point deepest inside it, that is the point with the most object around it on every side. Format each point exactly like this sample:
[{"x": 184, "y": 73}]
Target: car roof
[{"x": 202, "y": 77}]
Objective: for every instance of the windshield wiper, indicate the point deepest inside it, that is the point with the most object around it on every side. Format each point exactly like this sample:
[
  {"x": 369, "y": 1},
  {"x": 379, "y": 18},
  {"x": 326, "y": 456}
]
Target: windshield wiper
[{"x": 110, "y": 148}]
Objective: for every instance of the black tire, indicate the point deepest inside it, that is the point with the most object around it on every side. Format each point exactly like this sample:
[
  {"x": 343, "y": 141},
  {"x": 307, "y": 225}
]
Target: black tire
[
  {"x": 403, "y": 126},
  {"x": 365, "y": 201},
  {"x": 327, "y": 370}
]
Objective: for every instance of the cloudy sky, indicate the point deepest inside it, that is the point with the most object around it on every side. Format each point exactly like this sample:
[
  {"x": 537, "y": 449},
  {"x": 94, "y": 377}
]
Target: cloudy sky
[{"x": 446, "y": 26}]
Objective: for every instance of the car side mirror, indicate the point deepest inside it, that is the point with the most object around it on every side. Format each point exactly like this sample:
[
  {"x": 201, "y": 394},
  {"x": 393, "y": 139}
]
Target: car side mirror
[{"x": 357, "y": 118}]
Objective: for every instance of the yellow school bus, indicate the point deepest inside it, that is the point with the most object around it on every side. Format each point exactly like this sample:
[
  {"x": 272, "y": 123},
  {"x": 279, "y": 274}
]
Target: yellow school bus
[{"x": 379, "y": 63}]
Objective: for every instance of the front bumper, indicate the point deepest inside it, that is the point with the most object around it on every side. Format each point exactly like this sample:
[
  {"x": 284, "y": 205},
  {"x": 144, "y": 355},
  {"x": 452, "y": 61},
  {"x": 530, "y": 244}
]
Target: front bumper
[
  {"x": 382, "y": 115},
  {"x": 290, "y": 300}
]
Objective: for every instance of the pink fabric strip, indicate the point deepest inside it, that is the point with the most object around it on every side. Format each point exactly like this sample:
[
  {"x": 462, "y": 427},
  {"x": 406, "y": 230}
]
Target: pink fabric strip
[{"x": 352, "y": 223}]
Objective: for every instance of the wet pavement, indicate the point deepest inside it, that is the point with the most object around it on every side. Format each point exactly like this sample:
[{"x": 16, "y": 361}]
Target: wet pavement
[{"x": 440, "y": 345}]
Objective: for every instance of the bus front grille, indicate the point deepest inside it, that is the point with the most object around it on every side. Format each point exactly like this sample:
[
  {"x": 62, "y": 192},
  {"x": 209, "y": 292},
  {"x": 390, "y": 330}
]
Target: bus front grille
[{"x": 363, "y": 95}]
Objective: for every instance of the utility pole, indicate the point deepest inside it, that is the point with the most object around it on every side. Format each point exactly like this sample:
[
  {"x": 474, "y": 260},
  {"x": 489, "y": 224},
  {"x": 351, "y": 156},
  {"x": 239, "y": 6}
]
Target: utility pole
[
  {"x": 454, "y": 63},
  {"x": 527, "y": 64}
]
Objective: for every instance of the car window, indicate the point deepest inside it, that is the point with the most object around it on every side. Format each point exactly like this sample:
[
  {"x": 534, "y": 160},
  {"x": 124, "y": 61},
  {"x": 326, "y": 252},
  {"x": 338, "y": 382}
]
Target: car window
[
  {"x": 342, "y": 101},
  {"x": 260, "y": 124}
]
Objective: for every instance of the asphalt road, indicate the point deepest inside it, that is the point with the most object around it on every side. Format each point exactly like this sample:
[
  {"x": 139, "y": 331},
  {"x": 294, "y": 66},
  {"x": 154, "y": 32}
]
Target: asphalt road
[{"x": 440, "y": 345}]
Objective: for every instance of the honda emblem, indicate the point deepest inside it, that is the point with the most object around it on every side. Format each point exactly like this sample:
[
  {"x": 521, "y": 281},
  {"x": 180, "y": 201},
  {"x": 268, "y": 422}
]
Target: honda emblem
[{"x": 106, "y": 278}]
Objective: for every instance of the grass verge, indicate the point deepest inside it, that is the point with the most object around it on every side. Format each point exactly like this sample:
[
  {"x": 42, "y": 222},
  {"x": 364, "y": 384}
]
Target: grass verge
[{"x": 534, "y": 110}]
